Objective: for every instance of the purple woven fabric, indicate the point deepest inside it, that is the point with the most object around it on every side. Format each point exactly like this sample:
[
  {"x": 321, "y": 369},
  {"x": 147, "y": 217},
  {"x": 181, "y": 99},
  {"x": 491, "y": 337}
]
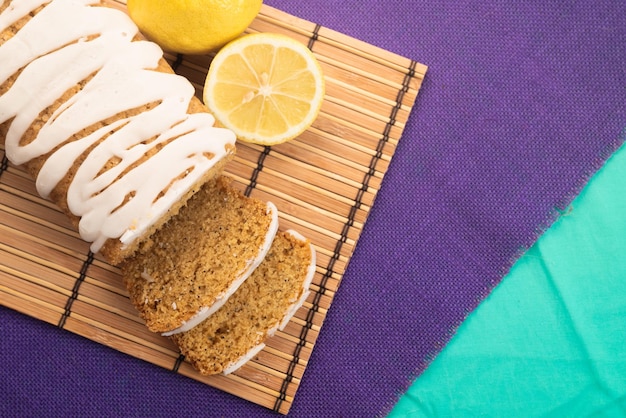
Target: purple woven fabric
[{"x": 521, "y": 104}]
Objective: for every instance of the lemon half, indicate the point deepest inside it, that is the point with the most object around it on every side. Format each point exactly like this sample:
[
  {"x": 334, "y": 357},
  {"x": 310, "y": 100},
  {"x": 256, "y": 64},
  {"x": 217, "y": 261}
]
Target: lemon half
[
  {"x": 193, "y": 26},
  {"x": 267, "y": 88}
]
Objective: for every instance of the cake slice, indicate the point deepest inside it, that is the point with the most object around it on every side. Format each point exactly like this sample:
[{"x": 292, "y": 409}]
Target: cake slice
[
  {"x": 111, "y": 135},
  {"x": 263, "y": 304},
  {"x": 189, "y": 267}
]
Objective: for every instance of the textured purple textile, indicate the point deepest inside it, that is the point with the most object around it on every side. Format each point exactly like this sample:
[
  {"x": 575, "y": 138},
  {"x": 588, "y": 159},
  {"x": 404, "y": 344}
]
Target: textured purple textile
[{"x": 521, "y": 104}]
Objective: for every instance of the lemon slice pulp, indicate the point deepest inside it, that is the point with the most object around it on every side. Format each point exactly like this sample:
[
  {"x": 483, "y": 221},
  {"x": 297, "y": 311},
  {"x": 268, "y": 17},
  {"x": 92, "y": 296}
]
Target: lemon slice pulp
[{"x": 267, "y": 88}]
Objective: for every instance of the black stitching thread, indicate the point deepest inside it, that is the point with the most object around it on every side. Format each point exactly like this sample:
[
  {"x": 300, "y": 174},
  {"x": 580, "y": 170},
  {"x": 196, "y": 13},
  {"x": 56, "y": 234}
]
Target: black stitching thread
[
  {"x": 77, "y": 283},
  {"x": 257, "y": 170},
  {"x": 180, "y": 360},
  {"x": 344, "y": 237},
  {"x": 314, "y": 36},
  {"x": 177, "y": 62},
  {"x": 4, "y": 165},
  {"x": 344, "y": 233},
  {"x": 311, "y": 313}
]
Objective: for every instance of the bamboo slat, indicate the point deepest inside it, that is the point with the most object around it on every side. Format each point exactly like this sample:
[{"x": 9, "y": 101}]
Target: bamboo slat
[{"x": 324, "y": 184}]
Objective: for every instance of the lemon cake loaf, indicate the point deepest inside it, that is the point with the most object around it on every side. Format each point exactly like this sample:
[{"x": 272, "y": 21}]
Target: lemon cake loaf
[
  {"x": 189, "y": 267},
  {"x": 263, "y": 304},
  {"x": 111, "y": 135}
]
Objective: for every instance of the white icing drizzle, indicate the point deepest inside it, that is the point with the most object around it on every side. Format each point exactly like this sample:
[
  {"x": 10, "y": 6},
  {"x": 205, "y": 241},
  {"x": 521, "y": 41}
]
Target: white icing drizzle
[{"x": 65, "y": 43}]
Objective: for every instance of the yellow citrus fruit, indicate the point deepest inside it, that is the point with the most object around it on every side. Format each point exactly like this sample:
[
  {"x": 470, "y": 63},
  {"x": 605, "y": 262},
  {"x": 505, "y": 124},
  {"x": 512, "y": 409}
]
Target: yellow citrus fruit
[
  {"x": 267, "y": 88},
  {"x": 193, "y": 26}
]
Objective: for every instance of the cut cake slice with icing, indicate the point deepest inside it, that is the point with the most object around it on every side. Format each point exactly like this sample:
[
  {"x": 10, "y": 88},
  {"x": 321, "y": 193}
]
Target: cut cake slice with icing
[
  {"x": 188, "y": 269},
  {"x": 263, "y": 304}
]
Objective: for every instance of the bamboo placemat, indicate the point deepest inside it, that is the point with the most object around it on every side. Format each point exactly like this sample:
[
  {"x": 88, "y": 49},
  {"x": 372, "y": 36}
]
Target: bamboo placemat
[{"x": 324, "y": 184}]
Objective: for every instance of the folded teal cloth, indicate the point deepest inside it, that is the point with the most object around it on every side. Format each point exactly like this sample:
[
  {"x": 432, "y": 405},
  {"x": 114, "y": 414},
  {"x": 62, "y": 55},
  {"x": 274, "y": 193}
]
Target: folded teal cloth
[{"x": 550, "y": 341}]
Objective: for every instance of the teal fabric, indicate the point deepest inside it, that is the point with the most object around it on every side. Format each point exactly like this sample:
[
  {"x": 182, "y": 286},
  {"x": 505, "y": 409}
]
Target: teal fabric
[{"x": 550, "y": 341}]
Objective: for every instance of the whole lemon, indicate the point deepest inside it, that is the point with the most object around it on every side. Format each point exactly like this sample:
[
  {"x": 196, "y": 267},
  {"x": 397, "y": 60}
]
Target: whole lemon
[{"x": 193, "y": 26}]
